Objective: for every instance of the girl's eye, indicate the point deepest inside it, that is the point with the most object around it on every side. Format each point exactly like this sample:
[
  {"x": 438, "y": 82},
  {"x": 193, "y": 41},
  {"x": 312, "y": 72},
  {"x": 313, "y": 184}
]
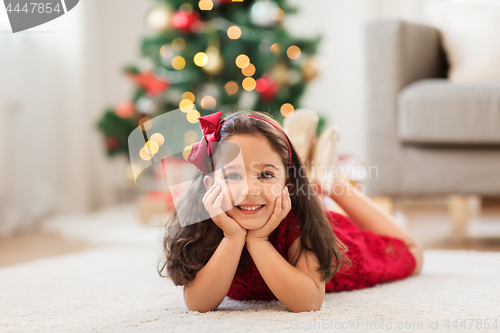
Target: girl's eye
[
  {"x": 233, "y": 176},
  {"x": 267, "y": 175}
]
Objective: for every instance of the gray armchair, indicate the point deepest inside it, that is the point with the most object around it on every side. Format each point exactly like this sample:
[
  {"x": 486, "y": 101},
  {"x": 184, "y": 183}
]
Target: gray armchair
[{"x": 427, "y": 135}]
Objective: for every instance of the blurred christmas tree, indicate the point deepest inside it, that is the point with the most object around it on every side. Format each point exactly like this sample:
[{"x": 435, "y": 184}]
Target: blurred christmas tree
[{"x": 221, "y": 55}]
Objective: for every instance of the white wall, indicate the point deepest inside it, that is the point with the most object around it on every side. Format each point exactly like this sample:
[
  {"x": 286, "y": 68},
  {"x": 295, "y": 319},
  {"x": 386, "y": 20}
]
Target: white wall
[
  {"x": 338, "y": 92},
  {"x": 40, "y": 88},
  {"x": 55, "y": 81}
]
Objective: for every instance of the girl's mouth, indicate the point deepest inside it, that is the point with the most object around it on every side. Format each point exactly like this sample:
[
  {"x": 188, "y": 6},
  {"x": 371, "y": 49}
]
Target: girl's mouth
[{"x": 250, "y": 209}]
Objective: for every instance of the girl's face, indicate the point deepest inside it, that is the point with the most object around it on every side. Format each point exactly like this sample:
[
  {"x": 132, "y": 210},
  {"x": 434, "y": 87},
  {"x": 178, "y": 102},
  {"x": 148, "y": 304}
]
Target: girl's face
[{"x": 254, "y": 179}]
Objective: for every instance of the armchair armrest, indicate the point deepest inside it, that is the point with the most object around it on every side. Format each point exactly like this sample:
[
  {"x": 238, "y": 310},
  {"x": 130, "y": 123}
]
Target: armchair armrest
[
  {"x": 397, "y": 54},
  {"x": 400, "y": 52}
]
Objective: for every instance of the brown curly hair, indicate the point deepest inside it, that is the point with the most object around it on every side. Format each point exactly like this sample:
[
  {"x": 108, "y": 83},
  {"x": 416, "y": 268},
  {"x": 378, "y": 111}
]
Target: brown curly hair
[{"x": 188, "y": 248}]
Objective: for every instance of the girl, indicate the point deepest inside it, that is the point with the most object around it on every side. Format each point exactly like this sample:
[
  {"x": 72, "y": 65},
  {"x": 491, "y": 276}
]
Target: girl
[{"x": 269, "y": 236}]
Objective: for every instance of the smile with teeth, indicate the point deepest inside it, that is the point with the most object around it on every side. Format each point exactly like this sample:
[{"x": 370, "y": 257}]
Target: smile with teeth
[{"x": 249, "y": 207}]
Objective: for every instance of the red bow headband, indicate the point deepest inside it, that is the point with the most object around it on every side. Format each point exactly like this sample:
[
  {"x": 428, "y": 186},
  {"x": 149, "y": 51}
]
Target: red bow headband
[{"x": 210, "y": 126}]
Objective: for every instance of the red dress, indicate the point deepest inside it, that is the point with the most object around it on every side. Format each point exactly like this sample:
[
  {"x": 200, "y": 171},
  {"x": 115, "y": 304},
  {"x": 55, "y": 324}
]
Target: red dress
[{"x": 375, "y": 259}]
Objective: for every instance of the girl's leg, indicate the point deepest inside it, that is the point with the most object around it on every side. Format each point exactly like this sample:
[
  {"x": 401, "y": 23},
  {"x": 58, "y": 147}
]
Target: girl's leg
[{"x": 368, "y": 215}]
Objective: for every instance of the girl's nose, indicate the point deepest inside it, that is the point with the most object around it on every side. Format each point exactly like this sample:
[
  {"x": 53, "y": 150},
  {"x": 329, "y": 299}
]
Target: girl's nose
[{"x": 252, "y": 188}]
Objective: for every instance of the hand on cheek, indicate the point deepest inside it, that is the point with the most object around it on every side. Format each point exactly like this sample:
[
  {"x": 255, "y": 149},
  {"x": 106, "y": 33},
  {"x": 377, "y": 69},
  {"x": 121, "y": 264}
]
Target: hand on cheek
[
  {"x": 226, "y": 202},
  {"x": 282, "y": 207},
  {"x": 212, "y": 201}
]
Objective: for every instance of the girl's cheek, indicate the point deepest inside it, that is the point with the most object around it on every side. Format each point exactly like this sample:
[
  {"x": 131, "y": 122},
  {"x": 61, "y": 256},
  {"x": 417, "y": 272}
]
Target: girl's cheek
[
  {"x": 236, "y": 192},
  {"x": 226, "y": 204},
  {"x": 275, "y": 190}
]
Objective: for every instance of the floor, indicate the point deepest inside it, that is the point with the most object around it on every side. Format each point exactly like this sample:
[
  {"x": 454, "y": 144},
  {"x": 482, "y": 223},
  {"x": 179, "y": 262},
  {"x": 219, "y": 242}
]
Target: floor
[
  {"x": 35, "y": 245},
  {"x": 427, "y": 219}
]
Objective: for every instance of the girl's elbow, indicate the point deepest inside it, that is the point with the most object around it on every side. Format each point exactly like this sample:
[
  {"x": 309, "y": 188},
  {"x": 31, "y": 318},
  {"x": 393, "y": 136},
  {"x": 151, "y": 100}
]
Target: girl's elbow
[
  {"x": 200, "y": 310},
  {"x": 305, "y": 309},
  {"x": 199, "y": 307},
  {"x": 312, "y": 306},
  {"x": 193, "y": 303}
]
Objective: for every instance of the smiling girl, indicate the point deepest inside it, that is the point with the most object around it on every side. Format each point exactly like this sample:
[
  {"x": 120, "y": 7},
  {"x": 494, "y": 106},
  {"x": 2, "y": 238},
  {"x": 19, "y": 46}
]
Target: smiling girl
[{"x": 268, "y": 235}]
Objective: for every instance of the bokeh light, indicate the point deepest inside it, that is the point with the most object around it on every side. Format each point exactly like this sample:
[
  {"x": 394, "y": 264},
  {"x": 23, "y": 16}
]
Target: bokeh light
[
  {"x": 293, "y": 52},
  {"x": 249, "y": 70},
  {"x": 234, "y": 32},
  {"x": 151, "y": 147},
  {"x": 200, "y": 59},
  {"x": 186, "y": 105},
  {"x": 144, "y": 155},
  {"x": 242, "y": 61},
  {"x": 188, "y": 95},
  {"x": 178, "y": 63},
  {"x": 208, "y": 102},
  {"x": 231, "y": 87},
  {"x": 287, "y": 109},
  {"x": 248, "y": 84},
  {"x": 158, "y": 138},
  {"x": 205, "y": 4},
  {"x": 192, "y": 116}
]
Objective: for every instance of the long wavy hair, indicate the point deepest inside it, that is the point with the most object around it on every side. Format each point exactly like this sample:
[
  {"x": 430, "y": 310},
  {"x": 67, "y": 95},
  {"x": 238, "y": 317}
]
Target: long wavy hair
[{"x": 188, "y": 248}]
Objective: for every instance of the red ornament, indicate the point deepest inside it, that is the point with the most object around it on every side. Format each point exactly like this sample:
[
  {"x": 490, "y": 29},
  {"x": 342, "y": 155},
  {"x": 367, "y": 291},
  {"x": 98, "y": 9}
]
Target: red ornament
[
  {"x": 267, "y": 87},
  {"x": 125, "y": 109},
  {"x": 112, "y": 142},
  {"x": 185, "y": 21},
  {"x": 153, "y": 84}
]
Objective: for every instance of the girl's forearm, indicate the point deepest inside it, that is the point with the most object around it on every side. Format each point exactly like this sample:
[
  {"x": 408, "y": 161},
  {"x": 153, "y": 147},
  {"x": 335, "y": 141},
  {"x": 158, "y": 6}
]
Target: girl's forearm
[
  {"x": 293, "y": 288},
  {"x": 213, "y": 281},
  {"x": 365, "y": 213}
]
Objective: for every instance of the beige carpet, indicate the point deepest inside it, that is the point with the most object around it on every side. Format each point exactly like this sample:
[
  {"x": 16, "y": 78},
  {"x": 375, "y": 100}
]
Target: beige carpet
[{"x": 115, "y": 288}]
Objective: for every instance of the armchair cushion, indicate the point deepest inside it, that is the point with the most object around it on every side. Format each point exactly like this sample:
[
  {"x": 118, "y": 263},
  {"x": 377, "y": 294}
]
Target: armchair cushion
[
  {"x": 436, "y": 111},
  {"x": 471, "y": 39}
]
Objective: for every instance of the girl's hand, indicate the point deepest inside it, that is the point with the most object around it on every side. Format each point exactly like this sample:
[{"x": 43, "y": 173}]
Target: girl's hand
[
  {"x": 282, "y": 207},
  {"x": 212, "y": 200}
]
